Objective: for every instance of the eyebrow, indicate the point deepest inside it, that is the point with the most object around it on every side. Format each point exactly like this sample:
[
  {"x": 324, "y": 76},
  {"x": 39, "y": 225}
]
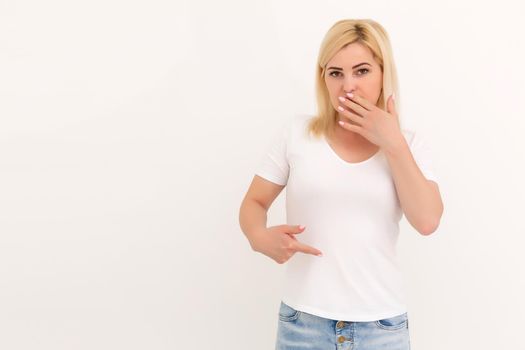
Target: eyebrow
[{"x": 357, "y": 65}]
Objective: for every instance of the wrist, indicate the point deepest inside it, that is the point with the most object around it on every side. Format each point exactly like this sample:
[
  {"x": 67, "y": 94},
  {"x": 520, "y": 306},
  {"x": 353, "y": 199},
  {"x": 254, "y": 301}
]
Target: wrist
[{"x": 397, "y": 146}]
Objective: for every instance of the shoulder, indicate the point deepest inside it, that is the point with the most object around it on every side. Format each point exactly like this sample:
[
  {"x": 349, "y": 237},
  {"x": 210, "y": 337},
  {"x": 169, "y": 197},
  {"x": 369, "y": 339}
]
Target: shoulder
[
  {"x": 416, "y": 139},
  {"x": 413, "y": 137},
  {"x": 408, "y": 134},
  {"x": 295, "y": 125}
]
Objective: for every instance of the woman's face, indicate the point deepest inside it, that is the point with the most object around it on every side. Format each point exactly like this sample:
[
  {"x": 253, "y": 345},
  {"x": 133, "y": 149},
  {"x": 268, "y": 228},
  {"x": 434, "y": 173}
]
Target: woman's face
[{"x": 353, "y": 69}]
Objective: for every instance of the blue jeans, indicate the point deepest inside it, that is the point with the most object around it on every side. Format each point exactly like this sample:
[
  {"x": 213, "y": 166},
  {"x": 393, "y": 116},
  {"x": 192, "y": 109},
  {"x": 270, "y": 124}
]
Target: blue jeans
[{"x": 298, "y": 330}]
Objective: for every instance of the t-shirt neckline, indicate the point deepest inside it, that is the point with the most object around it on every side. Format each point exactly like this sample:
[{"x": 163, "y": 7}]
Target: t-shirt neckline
[{"x": 332, "y": 151}]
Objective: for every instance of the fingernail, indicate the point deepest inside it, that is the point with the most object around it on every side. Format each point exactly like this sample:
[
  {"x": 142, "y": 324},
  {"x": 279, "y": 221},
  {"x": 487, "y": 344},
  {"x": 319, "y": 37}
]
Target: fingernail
[
  {"x": 301, "y": 227},
  {"x": 320, "y": 254}
]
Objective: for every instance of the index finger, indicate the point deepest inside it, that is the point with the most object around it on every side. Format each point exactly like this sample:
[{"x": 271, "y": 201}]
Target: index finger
[
  {"x": 304, "y": 248},
  {"x": 363, "y": 102}
]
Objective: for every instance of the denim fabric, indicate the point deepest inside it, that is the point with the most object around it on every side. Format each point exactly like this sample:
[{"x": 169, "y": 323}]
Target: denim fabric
[{"x": 298, "y": 330}]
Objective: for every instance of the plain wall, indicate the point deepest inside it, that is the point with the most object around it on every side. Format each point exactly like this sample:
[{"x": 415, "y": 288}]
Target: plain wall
[{"x": 131, "y": 130}]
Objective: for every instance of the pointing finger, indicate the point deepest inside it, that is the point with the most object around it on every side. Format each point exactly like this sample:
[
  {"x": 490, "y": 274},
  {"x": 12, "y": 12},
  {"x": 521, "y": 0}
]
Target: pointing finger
[{"x": 304, "y": 248}]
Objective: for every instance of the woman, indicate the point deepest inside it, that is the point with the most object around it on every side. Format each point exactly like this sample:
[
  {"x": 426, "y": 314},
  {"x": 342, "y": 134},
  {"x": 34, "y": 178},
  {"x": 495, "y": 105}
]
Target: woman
[{"x": 348, "y": 185}]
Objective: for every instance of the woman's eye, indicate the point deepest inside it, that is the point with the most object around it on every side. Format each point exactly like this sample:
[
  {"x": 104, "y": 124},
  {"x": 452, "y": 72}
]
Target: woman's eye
[{"x": 337, "y": 72}]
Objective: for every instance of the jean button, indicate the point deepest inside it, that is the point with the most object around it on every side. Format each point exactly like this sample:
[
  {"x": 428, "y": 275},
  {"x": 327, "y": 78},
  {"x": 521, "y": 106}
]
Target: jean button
[
  {"x": 340, "y": 324},
  {"x": 341, "y": 339}
]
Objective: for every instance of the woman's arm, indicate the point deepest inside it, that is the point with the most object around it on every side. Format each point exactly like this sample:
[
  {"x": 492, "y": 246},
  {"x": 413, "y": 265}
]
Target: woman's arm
[
  {"x": 419, "y": 197},
  {"x": 255, "y": 205}
]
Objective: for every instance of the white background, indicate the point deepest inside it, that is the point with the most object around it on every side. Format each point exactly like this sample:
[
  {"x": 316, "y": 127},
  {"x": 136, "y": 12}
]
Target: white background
[{"x": 130, "y": 131}]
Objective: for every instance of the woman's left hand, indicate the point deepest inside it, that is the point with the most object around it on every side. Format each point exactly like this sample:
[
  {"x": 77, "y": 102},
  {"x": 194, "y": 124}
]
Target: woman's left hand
[{"x": 376, "y": 125}]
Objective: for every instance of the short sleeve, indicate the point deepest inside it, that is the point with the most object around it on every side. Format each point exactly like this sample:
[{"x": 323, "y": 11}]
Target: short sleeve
[
  {"x": 273, "y": 166},
  {"x": 422, "y": 154}
]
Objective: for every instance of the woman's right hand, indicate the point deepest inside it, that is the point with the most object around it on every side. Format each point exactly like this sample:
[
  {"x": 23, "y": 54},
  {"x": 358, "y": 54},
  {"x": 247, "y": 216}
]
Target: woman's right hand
[{"x": 279, "y": 243}]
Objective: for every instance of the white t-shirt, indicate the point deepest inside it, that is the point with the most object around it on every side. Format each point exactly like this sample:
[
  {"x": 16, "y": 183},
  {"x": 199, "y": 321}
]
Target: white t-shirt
[{"x": 351, "y": 212}]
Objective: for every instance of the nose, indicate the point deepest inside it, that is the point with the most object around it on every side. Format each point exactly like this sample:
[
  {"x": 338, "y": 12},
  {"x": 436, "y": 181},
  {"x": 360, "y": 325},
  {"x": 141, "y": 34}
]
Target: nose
[{"x": 349, "y": 84}]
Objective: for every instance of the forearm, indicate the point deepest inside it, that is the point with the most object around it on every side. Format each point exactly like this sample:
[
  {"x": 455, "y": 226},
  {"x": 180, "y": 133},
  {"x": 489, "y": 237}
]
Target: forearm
[
  {"x": 252, "y": 220},
  {"x": 419, "y": 198}
]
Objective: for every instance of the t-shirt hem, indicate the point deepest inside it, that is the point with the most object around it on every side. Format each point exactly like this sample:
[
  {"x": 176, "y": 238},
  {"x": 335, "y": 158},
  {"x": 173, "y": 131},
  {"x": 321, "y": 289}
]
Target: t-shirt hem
[
  {"x": 343, "y": 317},
  {"x": 271, "y": 178}
]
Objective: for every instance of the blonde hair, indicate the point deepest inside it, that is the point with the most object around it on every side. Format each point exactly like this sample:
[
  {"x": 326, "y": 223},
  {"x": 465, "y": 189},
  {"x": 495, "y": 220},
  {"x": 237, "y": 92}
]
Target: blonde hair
[{"x": 342, "y": 33}]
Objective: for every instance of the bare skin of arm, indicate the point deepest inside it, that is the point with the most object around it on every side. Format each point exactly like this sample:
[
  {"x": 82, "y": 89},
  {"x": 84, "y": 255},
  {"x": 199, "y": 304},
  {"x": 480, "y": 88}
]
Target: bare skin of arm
[{"x": 277, "y": 242}]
